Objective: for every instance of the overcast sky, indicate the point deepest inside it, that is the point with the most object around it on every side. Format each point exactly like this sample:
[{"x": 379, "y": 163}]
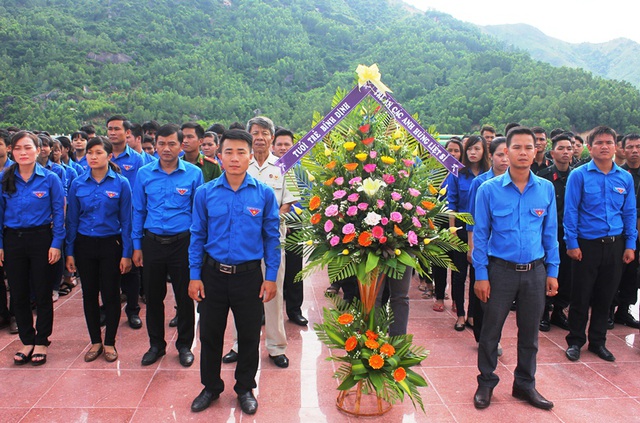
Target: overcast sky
[{"x": 593, "y": 21}]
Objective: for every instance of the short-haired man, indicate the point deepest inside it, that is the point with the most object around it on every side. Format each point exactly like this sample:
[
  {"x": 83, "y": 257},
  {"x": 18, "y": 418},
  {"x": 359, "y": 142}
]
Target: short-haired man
[
  {"x": 150, "y": 128},
  {"x": 600, "y": 232},
  {"x": 619, "y": 158},
  {"x": 149, "y": 145},
  {"x": 90, "y": 130},
  {"x": 515, "y": 253},
  {"x": 488, "y": 132},
  {"x": 193, "y": 135},
  {"x": 540, "y": 161},
  {"x": 162, "y": 201},
  {"x": 133, "y": 136},
  {"x": 235, "y": 226}
]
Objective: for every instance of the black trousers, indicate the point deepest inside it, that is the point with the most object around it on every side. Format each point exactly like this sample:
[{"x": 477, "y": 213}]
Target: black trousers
[
  {"x": 98, "y": 260},
  {"x": 131, "y": 288},
  {"x": 458, "y": 279},
  {"x": 240, "y": 293},
  {"x": 160, "y": 260},
  {"x": 595, "y": 282},
  {"x": 563, "y": 299},
  {"x": 26, "y": 255},
  {"x": 628, "y": 290},
  {"x": 293, "y": 291},
  {"x": 4, "y": 310},
  {"x": 439, "y": 276}
]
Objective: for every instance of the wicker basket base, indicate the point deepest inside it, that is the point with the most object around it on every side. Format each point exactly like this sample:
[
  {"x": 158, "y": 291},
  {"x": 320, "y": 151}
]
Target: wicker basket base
[{"x": 355, "y": 403}]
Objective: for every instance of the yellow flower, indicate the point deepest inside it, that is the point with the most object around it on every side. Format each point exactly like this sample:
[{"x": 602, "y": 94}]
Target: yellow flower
[
  {"x": 398, "y": 252},
  {"x": 345, "y": 252},
  {"x": 427, "y": 241},
  {"x": 396, "y": 134},
  {"x": 443, "y": 191},
  {"x": 362, "y": 156},
  {"x": 349, "y": 146},
  {"x": 298, "y": 210},
  {"x": 309, "y": 242},
  {"x": 371, "y": 186},
  {"x": 395, "y": 147},
  {"x": 310, "y": 176},
  {"x": 370, "y": 73},
  {"x": 454, "y": 229},
  {"x": 327, "y": 152},
  {"x": 432, "y": 189},
  {"x": 387, "y": 160}
]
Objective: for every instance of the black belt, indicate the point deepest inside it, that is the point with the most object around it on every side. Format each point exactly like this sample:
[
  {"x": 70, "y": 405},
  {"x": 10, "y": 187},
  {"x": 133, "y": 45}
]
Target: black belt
[
  {"x": 232, "y": 269},
  {"x": 33, "y": 229},
  {"x": 166, "y": 239},
  {"x": 518, "y": 267},
  {"x": 604, "y": 239}
]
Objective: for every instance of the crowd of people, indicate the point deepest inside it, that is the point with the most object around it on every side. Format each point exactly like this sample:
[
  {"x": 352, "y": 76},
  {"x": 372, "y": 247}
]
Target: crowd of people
[{"x": 147, "y": 204}]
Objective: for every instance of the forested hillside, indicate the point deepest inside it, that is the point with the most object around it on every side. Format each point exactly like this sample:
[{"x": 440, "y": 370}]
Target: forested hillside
[{"x": 67, "y": 62}]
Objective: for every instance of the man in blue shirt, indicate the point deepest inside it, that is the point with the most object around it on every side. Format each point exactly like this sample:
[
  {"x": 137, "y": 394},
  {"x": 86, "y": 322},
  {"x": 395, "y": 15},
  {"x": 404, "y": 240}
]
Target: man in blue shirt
[
  {"x": 600, "y": 232},
  {"x": 235, "y": 226},
  {"x": 162, "y": 202},
  {"x": 515, "y": 254}
]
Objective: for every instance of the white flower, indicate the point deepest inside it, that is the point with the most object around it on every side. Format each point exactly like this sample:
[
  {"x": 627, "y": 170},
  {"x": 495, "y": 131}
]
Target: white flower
[
  {"x": 372, "y": 219},
  {"x": 371, "y": 186}
]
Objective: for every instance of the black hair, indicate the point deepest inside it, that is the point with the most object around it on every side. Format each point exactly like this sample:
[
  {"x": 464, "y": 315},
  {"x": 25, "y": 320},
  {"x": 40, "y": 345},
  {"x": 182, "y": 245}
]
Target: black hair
[
  {"x": 148, "y": 138},
  {"x": 150, "y": 125},
  {"x": 510, "y": 126},
  {"x": 455, "y": 140},
  {"x": 539, "y": 130},
  {"x": 560, "y": 137},
  {"x": 487, "y": 128},
  {"x": 87, "y": 129},
  {"x": 519, "y": 130},
  {"x": 213, "y": 135},
  {"x": 483, "y": 164},
  {"x": 495, "y": 143},
  {"x": 45, "y": 139},
  {"x": 81, "y": 134},
  {"x": 218, "y": 128},
  {"x": 108, "y": 147},
  {"x": 8, "y": 182},
  {"x": 13, "y": 129},
  {"x": 66, "y": 143},
  {"x": 630, "y": 137},
  {"x": 135, "y": 128},
  {"x": 5, "y": 137},
  {"x": 600, "y": 130},
  {"x": 578, "y": 138},
  {"x": 196, "y": 126},
  {"x": 116, "y": 117},
  {"x": 281, "y": 133},
  {"x": 236, "y": 125},
  {"x": 169, "y": 129},
  {"x": 237, "y": 134}
]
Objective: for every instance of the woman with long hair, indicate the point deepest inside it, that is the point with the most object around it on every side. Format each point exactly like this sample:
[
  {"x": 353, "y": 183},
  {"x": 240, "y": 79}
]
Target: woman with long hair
[
  {"x": 99, "y": 242},
  {"x": 32, "y": 215}
]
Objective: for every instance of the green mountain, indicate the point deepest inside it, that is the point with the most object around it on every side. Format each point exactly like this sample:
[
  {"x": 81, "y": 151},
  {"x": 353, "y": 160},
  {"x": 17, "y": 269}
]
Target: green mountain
[
  {"x": 617, "y": 59},
  {"x": 67, "y": 62}
]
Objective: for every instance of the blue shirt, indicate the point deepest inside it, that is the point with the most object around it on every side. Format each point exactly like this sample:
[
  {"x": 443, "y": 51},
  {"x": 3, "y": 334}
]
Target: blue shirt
[
  {"x": 100, "y": 209},
  {"x": 162, "y": 201},
  {"x": 70, "y": 174},
  {"x": 598, "y": 205},
  {"x": 61, "y": 172},
  {"x": 234, "y": 227},
  {"x": 83, "y": 163},
  {"x": 458, "y": 191},
  {"x": 36, "y": 202},
  {"x": 473, "y": 191},
  {"x": 514, "y": 226},
  {"x": 148, "y": 158},
  {"x": 129, "y": 162},
  {"x": 77, "y": 166},
  {"x": 8, "y": 163}
]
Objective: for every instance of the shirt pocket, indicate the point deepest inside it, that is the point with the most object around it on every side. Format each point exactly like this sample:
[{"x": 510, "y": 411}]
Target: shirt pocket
[
  {"x": 180, "y": 197},
  {"x": 155, "y": 196},
  {"x": 592, "y": 195},
  {"x": 617, "y": 197},
  {"x": 503, "y": 218}
]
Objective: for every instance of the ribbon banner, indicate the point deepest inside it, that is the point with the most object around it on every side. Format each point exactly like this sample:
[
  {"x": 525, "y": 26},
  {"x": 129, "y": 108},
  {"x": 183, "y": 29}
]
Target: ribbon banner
[{"x": 347, "y": 104}]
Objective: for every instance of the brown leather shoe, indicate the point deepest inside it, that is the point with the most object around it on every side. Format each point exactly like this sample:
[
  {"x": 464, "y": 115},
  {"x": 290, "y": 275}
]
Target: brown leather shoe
[
  {"x": 91, "y": 355},
  {"x": 111, "y": 356}
]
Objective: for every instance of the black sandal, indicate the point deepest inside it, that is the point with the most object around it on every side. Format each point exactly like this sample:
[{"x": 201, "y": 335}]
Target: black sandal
[
  {"x": 24, "y": 358},
  {"x": 41, "y": 359}
]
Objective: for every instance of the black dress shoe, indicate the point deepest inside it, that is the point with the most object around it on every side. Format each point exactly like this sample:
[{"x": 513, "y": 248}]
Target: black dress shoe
[
  {"x": 533, "y": 397},
  {"x": 186, "y": 357},
  {"x": 559, "y": 319},
  {"x": 230, "y": 357},
  {"x": 135, "y": 322},
  {"x": 482, "y": 397},
  {"x": 280, "y": 360},
  {"x": 573, "y": 353},
  {"x": 173, "y": 322},
  {"x": 298, "y": 319},
  {"x": 248, "y": 403},
  {"x": 625, "y": 318},
  {"x": 152, "y": 355},
  {"x": 602, "y": 352},
  {"x": 545, "y": 325},
  {"x": 203, "y": 401}
]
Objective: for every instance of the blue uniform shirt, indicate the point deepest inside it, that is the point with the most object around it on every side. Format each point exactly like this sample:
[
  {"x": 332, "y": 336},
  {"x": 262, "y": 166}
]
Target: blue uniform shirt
[
  {"x": 148, "y": 158},
  {"x": 598, "y": 205},
  {"x": 61, "y": 172},
  {"x": 100, "y": 209},
  {"x": 77, "y": 166},
  {"x": 129, "y": 162},
  {"x": 234, "y": 227},
  {"x": 514, "y": 226},
  {"x": 38, "y": 201},
  {"x": 70, "y": 174},
  {"x": 83, "y": 163},
  {"x": 8, "y": 163},
  {"x": 458, "y": 191},
  {"x": 162, "y": 201},
  {"x": 473, "y": 191}
]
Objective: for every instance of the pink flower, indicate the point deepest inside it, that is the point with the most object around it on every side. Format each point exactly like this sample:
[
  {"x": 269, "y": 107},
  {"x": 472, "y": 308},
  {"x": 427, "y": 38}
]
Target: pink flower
[
  {"x": 395, "y": 217},
  {"x": 369, "y": 168},
  {"x": 373, "y": 154},
  {"x": 383, "y": 239},
  {"x": 416, "y": 222},
  {"x": 412, "y": 238},
  {"x": 339, "y": 194},
  {"x": 363, "y": 206},
  {"x": 414, "y": 192},
  {"x": 348, "y": 229},
  {"x": 339, "y": 180},
  {"x": 396, "y": 196},
  {"x": 384, "y": 220},
  {"x": 403, "y": 173},
  {"x": 352, "y": 211},
  {"x": 328, "y": 225},
  {"x": 388, "y": 179},
  {"x": 355, "y": 180},
  {"x": 420, "y": 211},
  {"x": 408, "y": 163},
  {"x": 353, "y": 197},
  {"x": 377, "y": 231},
  {"x": 335, "y": 240},
  {"x": 380, "y": 203},
  {"x": 332, "y": 210},
  {"x": 407, "y": 206}
]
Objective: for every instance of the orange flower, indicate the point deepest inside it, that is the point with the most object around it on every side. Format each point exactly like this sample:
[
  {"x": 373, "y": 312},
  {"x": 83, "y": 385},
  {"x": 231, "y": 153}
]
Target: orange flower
[
  {"x": 428, "y": 205},
  {"x": 365, "y": 239},
  {"x": 314, "y": 203},
  {"x": 397, "y": 230},
  {"x": 399, "y": 374},
  {"x": 371, "y": 334},
  {"x": 368, "y": 141},
  {"x": 371, "y": 344},
  {"x": 345, "y": 319},
  {"x": 348, "y": 238},
  {"x": 316, "y": 218},
  {"x": 432, "y": 190},
  {"x": 329, "y": 181},
  {"x": 388, "y": 350},
  {"x": 351, "y": 343},
  {"x": 376, "y": 361},
  {"x": 431, "y": 225},
  {"x": 331, "y": 165},
  {"x": 351, "y": 166}
]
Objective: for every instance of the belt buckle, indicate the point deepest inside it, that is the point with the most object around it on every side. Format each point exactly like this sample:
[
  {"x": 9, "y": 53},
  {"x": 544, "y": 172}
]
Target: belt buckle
[
  {"x": 164, "y": 240},
  {"x": 608, "y": 239},
  {"x": 523, "y": 267},
  {"x": 226, "y": 268}
]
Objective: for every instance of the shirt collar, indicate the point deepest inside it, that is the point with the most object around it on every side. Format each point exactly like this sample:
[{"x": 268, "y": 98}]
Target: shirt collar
[
  {"x": 591, "y": 166},
  {"x": 222, "y": 181},
  {"x": 110, "y": 174},
  {"x": 155, "y": 166},
  {"x": 506, "y": 179},
  {"x": 38, "y": 170}
]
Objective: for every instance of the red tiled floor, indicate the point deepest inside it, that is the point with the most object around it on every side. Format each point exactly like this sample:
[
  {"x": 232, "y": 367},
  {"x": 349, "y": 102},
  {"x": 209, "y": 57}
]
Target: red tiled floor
[{"x": 67, "y": 389}]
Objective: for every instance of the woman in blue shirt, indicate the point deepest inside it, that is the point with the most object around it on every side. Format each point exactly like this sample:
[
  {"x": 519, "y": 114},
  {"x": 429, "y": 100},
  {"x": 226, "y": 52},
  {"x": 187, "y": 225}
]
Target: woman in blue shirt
[
  {"x": 475, "y": 158},
  {"x": 32, "y": 216},
  {"x": 99, "y": 242}
]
